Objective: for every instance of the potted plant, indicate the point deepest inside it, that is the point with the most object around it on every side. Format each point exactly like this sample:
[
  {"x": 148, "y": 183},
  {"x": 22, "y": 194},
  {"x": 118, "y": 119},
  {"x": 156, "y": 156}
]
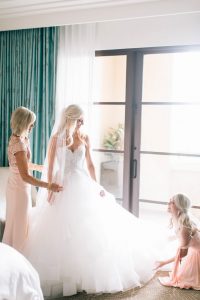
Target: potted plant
[
  {"x": 111, "y": 169},
  {"x": 113, "y": 140}
]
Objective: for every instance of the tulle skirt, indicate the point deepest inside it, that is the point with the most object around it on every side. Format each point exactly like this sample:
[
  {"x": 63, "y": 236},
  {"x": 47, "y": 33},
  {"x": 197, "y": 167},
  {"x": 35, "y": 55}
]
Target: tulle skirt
[{"x": 86, "y": 242}]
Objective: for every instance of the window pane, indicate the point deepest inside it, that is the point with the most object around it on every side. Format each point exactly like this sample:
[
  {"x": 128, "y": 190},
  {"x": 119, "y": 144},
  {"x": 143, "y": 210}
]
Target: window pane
[
  {"x": 162, "y": 176},
  {"x": 108, "y": 127},
  {"x": 171, "y": 77},
  {"x": 152, "y": 212},
  {"x": 170, "y": 128},
  {"x": 109, "y": 171},
  {"x": 158, "y": 212},
  {"x": 196, "y": 212},
  {"x": 110, "y": 78}
]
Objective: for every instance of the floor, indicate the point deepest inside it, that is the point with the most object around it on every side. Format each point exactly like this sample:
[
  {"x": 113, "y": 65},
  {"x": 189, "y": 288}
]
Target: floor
[{"x": 151, "y": 291}]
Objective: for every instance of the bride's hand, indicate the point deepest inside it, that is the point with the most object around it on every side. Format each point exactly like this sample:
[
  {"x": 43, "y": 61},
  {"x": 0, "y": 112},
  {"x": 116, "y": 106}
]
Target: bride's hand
[
  {"x": 102, "y": 193},
  {"x": 52, "y": 188},
  {"x": 51, "y": 197}
]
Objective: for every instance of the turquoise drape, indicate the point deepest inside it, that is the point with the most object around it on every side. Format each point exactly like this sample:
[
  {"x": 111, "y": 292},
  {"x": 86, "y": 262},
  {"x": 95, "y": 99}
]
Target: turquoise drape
[{"x": 28, "y": 60}]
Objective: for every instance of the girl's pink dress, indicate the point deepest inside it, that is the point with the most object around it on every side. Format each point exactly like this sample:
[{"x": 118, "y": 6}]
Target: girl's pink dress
[
  {"x": 18, "y": 197},
  {"x": 186, "y": 273}
]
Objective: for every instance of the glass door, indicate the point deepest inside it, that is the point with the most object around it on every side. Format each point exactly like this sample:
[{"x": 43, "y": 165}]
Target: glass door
[
  {"x": 169, "y": 122},
  {"x": 108, "y": 119}
]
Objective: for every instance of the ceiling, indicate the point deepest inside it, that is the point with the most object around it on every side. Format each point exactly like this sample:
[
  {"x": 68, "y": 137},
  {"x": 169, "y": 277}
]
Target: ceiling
[
  {"x": 21, "y": 14},
  {"x": 17, "y": 8}
]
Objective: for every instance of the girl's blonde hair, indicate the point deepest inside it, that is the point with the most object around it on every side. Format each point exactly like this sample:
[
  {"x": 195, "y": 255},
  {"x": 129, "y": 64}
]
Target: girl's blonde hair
[
  {"x": 21, "y": 119},
  {"x": 68, "y": 123},
  {"x": 183, "y": 204}
]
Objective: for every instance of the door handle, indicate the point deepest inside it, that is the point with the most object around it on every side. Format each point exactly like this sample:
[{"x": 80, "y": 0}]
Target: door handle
[{"x": 134, "y": 168}]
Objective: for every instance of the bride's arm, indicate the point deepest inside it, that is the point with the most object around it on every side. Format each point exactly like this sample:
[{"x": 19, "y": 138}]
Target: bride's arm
[
  {"x": 90, "y": 164},
  {"x": 50, "y": 164},
  {"x": 89, "y": 161},
  {"x": 51, "y": 157}
]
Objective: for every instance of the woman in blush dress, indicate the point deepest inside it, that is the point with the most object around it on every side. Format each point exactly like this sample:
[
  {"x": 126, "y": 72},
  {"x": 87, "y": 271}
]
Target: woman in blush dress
[
  {"x": 82, "y": 240},
  {"x": 186, "y": 269},
  {"x": 18, "y": 192}
]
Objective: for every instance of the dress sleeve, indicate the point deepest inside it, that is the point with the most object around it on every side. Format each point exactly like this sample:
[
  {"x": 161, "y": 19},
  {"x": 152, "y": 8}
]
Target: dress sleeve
[{"x": 19, "y": 146}]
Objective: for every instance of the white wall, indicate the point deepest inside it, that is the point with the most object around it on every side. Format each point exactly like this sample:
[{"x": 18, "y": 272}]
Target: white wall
[
  {"x": 154, "y": 23},
  {"x": 183, "y": 29}
]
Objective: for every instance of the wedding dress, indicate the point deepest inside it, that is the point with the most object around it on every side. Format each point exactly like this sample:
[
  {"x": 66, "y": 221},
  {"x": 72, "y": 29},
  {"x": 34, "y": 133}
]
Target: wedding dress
[{"x": 86, "y": 242}]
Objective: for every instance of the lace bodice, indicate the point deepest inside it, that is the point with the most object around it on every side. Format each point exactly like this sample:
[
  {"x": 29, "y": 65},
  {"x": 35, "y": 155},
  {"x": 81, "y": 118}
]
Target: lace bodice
[
  {"x": 17, "y": 144},
  {"x": 75, "y": 160}
]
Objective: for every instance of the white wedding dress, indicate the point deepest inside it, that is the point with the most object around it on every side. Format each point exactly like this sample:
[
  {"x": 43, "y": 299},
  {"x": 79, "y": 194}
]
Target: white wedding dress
[{"x": 86, "y": 242}]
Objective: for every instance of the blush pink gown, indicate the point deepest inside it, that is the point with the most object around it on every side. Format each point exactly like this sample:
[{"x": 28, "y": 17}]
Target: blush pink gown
[
  {"x": 186, "y": 274},
  {"x": 18, "y": 197}
]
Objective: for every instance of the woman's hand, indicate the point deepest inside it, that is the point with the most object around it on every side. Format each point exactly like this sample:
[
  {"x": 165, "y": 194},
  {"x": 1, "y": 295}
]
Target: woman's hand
[
  {"x": 54, "y": 187},
  {"x": 102, "y": 193}
]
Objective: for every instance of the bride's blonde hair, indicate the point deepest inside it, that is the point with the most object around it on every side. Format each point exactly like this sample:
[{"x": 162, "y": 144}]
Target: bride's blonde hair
[
  {"x": 183, "y": 204},
  {"x": 68, "y": 123}
]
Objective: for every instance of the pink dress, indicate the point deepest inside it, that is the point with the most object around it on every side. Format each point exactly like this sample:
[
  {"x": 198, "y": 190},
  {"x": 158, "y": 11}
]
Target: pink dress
[
  {"x": 18, "y": 197},
  {"x": 186, "y": 274}
]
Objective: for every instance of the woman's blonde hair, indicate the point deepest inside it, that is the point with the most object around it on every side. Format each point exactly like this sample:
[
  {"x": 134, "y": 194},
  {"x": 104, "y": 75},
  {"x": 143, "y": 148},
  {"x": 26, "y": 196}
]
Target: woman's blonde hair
[
  {"x": 68, "y": 123},
  {"x": 183, "y": 204},
  {"x": 21, "y": 119}
]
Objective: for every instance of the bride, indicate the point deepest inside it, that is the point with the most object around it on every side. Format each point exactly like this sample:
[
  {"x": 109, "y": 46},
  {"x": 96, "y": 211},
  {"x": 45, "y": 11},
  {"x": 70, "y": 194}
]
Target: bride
[{"x": 81, "y": 239}]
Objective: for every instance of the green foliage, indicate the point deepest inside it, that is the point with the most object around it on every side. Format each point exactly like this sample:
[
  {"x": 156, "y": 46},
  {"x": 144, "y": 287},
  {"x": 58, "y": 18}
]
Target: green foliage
[{"x": 114, "y": 138}]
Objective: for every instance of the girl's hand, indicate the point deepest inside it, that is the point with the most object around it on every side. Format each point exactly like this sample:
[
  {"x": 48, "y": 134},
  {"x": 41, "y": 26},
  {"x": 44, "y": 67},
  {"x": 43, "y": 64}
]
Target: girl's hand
[{"x": 102, "y": 193}]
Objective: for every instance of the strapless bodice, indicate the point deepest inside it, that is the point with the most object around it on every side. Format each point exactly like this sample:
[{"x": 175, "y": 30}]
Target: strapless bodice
[{"x": 75, "y": 160}]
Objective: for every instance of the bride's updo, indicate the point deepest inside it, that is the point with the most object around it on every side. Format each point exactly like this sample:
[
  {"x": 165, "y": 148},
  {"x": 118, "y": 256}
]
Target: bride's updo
[{"x": 68, "y": 123}]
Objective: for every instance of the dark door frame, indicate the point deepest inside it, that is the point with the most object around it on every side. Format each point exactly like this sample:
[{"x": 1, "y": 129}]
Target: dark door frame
[{"x": 134, "y": 73}]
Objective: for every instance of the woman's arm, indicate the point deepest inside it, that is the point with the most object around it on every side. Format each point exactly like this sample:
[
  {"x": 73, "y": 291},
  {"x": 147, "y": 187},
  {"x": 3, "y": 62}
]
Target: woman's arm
[
  {"x": 35, "y": 167},
  {"x": 89, "y": 161},
  {"x": 160, "y": 264},
  {"x": 185, "y": 236},
  {"x": 22, "y": 164}
]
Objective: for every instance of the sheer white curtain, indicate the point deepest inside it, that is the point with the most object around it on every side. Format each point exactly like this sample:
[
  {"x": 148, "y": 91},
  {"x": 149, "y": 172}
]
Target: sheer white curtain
[{"x": 76, "y": 55}]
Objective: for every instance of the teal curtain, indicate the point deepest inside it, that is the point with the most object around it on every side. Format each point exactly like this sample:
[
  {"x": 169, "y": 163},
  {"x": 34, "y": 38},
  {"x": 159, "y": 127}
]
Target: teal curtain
[{"x": 28, "y": 60}]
